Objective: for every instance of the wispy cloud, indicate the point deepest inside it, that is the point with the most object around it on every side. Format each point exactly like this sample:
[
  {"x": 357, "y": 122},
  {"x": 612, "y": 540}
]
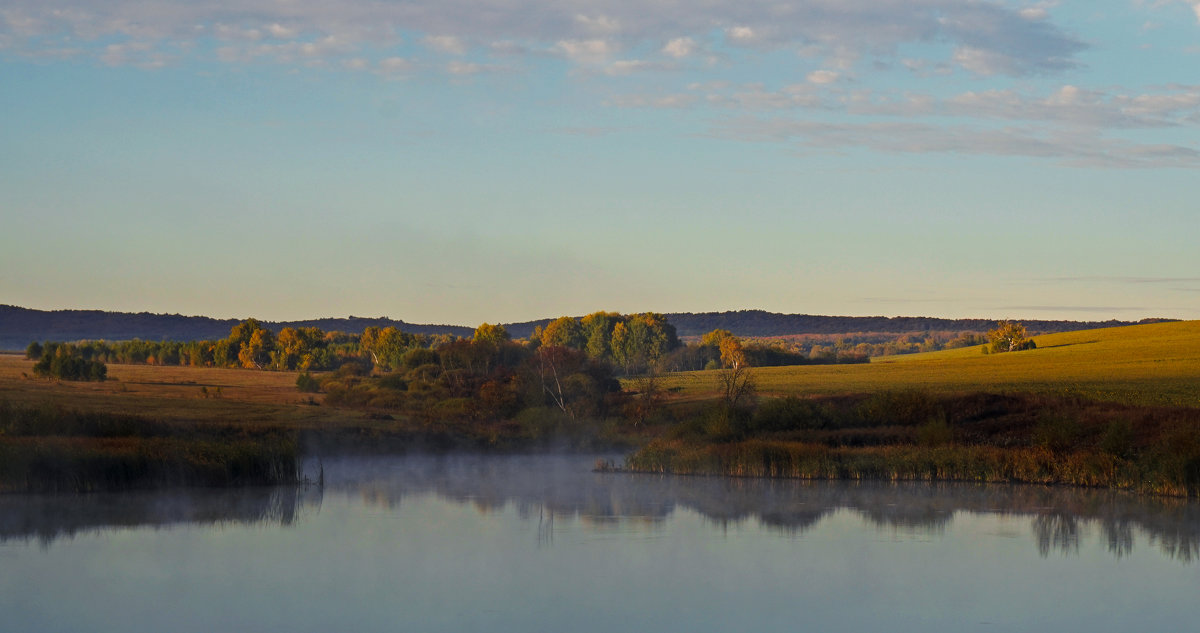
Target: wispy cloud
[
  {"x": 1074, "y": 148},
  {"x": 616, "y": 44},
  {"x": 987, "y": 36},
  {"x": 1117, "y": 279},
  {"x": 1071, "y": 125},
  {"x": 1072, "y": 308}
]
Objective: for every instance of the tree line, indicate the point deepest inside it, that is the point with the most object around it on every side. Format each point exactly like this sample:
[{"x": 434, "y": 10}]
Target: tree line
[{"x": 631, "y": 343}]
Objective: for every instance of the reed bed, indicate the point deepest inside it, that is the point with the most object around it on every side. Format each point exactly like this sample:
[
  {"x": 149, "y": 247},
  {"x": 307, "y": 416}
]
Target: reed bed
[
  {"x": 1162, "y": 472},
  {"x": 46, "y": 449}
]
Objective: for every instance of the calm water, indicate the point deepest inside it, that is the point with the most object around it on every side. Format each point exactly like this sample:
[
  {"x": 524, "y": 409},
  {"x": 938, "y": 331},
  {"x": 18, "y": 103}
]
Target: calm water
[{"x": 543, "y": 544}]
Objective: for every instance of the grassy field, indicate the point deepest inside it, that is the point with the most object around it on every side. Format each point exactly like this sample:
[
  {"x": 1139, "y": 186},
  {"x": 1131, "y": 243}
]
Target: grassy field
[
  {"x": 1156, "y": 364},
  {"x": 180, "y": 394}
]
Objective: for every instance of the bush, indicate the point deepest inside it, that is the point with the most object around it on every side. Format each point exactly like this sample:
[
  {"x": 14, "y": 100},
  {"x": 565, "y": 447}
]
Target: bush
[
  {"x": 1057, "y": 432},
  {"x": 790, "y": 413},
  {"x": 306, "y": 383},
  {"x": 1118, "y": 439},
  {"x": 905, "y": 408},
  {"x": 34, "y": 351},
  {"x": 935, "y": 432},
  {"x": 64, "y": 363}
]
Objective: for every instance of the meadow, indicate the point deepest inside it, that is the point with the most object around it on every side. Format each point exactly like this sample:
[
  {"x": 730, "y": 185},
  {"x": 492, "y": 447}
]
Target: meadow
[{"x": 1148, "y": 365}]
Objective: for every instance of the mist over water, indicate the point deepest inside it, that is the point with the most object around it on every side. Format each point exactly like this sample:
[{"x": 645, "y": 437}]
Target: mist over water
[{"x": 540, "y": 542}]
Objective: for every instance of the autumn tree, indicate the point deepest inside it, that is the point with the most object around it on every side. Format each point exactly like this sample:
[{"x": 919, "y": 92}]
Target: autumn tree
[
  {"x": 256, "y": 352},
  {"x": 732, "y": 354},
  {"x": 491, "y": 334},
  {"x": 300, "y": 348},
  {"x": 1009, "y": 336},
  {"x": 563, "y": 332},
  {"x": 714, "y": 338},
  {"x": 386, "y": 346}
]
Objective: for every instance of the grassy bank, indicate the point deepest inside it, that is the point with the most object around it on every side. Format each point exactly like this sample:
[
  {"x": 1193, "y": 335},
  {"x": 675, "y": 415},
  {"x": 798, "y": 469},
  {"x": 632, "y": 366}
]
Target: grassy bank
[
  {"x": 1176, "y": 474},
  {"x": 51, "y": 449},
  {"x": 920, "y": 435}
]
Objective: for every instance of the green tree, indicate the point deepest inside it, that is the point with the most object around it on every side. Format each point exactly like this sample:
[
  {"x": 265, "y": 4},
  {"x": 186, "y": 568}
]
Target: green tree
[
  {"x": 34, "y": 351},
  {"x": 563, "y": 332},
  {"x": 597, "y": 330}
]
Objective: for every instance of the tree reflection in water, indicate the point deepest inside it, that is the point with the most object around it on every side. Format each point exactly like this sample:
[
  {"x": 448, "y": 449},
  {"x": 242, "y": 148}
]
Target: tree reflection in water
[{"x": 545, "y": 487}]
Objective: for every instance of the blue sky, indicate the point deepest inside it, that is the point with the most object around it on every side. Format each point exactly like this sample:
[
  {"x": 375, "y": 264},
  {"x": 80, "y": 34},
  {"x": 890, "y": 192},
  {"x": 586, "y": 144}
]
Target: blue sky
[{"x": 464, "y": 161}]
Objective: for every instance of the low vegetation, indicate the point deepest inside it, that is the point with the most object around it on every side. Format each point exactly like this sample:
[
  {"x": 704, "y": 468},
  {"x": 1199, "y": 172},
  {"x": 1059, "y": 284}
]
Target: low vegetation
[
  {"x": 51, "y": 449},
  {"x": 1016, "y": 438},
  {"x": 63, "y": 362}
]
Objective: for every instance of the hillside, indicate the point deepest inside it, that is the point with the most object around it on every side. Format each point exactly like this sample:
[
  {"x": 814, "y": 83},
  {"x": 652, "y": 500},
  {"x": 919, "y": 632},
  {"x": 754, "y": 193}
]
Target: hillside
[
  {"x": 1152, "y": 364},
  {"x": 19, "y": 326}
]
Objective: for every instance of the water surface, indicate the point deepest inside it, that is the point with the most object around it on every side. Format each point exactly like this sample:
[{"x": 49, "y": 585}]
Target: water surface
[{"x": 541, "y": 543}]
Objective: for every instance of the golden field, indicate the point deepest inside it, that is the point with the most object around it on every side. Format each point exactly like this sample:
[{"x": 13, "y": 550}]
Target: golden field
[{"x": 1155, "y": 364}]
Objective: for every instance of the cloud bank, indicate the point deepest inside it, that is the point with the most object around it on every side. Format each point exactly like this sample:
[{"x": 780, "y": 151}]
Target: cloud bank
[
  {"x": 984, "y": 37},
  {"x": 998, "y": 55}
]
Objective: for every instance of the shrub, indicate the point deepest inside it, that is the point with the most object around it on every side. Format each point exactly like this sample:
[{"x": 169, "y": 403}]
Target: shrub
[
  {"x": 935, "y": 432},
  {"x": 64, "y": 363},
  {"x": 1118, "y": 439},
  {"x": 306, "y": 383},
  {"x": 790, "y": 413},
  {"x": 1057, "y": 432},
  {"x": 905, "y": 408}
]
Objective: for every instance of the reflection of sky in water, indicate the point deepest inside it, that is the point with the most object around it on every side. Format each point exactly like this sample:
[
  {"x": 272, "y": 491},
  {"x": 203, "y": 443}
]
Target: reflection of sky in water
[{"x": 531, "y": 544}]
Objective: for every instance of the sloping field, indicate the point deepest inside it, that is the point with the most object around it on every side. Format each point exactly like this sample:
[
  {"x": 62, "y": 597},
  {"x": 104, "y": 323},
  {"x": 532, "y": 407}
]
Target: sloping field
[{"x": 1156, "y": 364}]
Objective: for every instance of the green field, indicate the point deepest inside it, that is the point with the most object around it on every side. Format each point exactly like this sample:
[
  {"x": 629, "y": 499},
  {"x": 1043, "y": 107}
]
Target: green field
[{"x": 1156, "y": 364}]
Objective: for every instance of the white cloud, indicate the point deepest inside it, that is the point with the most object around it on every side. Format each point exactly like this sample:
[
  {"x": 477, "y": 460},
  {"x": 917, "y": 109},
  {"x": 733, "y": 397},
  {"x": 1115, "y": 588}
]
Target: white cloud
[
  {"x": 445, "y": 44},
  {"x": 598, "y": 24},
  {"x": 983, "y": 62},
  {"x": 1033, "y": 13},
  {"x": 627, "y": 66},
  {"x": 281, "y": 32},
  {"x": 668, "y": 101},
  {"x": 462, "y": 68},
  {"x": 393, "y": 65},
  {"x": 742, "y": 34},
  {"x": 679, "y": 47},
  {"x": 593, "y": 51},
  {"x": 823, "y": 76}
]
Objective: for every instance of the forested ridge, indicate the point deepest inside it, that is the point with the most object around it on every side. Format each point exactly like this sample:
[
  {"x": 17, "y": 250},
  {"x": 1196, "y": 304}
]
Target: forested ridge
[{"x": 20, "y": 326}]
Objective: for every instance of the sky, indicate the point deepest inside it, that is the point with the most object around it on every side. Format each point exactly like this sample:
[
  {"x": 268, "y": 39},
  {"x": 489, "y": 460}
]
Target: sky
[{"x": 462, "y": 161}]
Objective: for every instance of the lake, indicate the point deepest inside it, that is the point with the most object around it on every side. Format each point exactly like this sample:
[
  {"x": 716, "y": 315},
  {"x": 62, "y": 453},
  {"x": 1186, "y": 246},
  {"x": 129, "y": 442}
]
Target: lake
[{"x": 542, "y": 543}]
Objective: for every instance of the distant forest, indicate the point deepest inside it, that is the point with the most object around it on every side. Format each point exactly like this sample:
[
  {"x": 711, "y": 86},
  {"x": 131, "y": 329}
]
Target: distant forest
[{"x": 20, "y": 326}]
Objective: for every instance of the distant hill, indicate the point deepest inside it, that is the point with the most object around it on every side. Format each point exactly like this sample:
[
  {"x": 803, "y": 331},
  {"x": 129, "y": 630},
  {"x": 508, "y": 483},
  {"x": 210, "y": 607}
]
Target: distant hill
[
  {"x": 762, "y": 323},
  {"x": 19, "y": 326}
]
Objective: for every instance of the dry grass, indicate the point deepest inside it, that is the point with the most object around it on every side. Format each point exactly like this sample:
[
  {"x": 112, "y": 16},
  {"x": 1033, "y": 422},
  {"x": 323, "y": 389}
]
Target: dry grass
[
  {"x": 1157, "y": 364},
  {"x": 236, "y": 397}
]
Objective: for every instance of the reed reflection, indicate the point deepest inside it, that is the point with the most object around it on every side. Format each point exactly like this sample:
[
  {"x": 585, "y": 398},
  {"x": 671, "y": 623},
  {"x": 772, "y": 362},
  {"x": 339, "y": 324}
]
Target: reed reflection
[
  {"x": 544, "y": 489},
  {"x": 47, "y": 518}
]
